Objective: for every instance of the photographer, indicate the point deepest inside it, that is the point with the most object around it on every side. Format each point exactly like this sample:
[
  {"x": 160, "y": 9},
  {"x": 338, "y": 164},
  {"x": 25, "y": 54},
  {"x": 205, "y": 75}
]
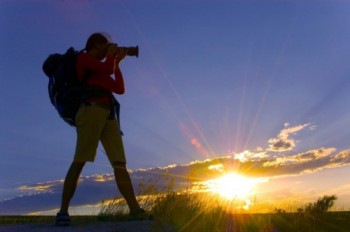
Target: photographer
[{"x": 96, "y": 122}]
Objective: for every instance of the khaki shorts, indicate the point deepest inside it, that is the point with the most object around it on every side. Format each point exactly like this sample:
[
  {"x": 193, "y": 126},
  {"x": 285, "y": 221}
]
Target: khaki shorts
[{"x": 93, "y": 125}]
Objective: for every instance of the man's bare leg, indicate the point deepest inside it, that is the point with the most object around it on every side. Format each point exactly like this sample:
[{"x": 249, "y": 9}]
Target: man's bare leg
[
  {"x": 70, "y": 184},
  {"x": 125, "y": 187}
]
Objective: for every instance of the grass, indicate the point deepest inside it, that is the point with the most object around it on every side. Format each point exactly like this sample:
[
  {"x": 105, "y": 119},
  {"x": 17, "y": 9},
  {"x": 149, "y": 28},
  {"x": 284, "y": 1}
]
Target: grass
[{"x": 206, "y": 213}]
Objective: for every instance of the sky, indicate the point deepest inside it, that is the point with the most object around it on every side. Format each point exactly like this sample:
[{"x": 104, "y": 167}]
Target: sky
[{"x": 264, "y": 82}]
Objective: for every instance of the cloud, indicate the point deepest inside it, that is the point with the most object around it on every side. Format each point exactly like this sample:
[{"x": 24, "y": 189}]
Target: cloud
[
  {"x": 247, "y": 155},
  {"x": 342, "y": 157},
  {"x": 300, "y": 158},
  {"x": 283, "y": 142}
]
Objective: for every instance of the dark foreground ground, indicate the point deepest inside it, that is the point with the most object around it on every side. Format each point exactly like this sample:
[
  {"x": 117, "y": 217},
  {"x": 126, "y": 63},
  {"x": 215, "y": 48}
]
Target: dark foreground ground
[
  {"x": 79, "y": 224},
  {"x": 276, "y": 222}
]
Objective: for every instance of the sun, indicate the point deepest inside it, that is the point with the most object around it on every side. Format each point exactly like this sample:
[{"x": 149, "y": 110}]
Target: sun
[{"x": 233, "y": 186}]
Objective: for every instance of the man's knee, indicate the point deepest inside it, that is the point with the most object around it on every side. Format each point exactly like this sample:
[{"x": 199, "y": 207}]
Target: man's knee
[{"x": 78, "y": 164}]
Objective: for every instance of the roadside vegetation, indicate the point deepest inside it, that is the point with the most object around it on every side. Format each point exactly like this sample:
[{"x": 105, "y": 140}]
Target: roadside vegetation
[{"x": 202, "y": 212}]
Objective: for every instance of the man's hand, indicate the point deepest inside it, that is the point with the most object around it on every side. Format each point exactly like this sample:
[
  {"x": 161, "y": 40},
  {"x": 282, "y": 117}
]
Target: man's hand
[
  {"x": 112, "y": 50},
  {"x": 121, "y": 53}
]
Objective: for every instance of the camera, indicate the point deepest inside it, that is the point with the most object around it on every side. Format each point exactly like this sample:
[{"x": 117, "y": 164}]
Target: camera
[{"x": 130, "y": 51}]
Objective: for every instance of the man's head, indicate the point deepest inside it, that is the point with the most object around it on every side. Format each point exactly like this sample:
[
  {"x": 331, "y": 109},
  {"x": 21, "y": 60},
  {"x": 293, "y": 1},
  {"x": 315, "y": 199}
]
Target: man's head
[{"x": 97, "y": 43}]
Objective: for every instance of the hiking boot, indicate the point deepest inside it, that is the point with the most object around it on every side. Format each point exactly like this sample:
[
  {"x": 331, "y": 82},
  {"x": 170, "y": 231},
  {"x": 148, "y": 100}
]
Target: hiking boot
[
  {"x": 139, "y": 215},
  {"x": 62, "y": 219}
]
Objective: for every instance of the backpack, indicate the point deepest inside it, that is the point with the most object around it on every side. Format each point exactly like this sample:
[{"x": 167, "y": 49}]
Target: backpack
[{"x": 66, "y": 91}]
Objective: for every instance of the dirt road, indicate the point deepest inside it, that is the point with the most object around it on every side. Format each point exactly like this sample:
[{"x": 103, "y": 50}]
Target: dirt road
[{"x": 125, "y": 226}]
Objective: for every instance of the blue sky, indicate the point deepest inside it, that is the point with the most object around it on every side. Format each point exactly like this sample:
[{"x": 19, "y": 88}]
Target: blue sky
[{"x": 214, "y": 78}]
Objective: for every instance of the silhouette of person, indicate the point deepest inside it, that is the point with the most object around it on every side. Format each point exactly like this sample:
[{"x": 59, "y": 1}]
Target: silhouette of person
[{"x": 96, "y": 121}]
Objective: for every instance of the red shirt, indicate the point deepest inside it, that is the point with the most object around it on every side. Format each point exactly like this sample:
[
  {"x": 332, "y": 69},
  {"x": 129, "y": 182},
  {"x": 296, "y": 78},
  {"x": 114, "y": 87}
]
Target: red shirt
[{"x": 100, "y": 74}]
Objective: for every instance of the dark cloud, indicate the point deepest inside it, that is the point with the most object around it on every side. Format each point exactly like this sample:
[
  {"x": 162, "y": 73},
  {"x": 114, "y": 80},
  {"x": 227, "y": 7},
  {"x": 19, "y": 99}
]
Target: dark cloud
[
  {"x": 281, "y": 145},
  {"x": 283, "y": 142}
]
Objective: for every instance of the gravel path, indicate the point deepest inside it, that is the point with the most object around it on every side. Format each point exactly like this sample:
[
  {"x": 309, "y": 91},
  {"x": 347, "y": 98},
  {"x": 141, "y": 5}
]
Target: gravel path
[{"x": 128, "y": 226}]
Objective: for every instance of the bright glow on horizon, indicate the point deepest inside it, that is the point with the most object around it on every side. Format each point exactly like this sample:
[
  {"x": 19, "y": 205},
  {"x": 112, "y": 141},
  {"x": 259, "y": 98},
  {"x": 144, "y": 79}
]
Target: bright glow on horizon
[{"x": 234, "y": 186}]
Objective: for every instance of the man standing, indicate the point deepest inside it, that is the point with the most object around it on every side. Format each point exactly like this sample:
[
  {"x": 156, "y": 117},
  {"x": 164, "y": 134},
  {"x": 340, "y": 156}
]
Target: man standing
[{"x": 96, "y": 121}]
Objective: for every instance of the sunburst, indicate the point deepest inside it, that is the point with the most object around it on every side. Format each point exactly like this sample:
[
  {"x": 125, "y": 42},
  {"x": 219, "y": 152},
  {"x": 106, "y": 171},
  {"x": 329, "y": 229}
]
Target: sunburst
[{"x": 234, "y": 186}]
